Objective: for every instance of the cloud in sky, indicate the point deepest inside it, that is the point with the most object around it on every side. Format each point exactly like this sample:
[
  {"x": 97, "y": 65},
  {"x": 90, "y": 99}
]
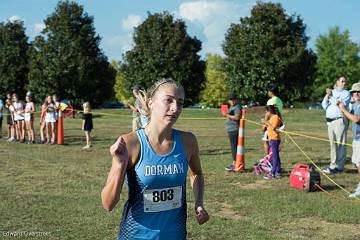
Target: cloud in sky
[
  {"x": 130, "y": 22},
  {"x": 212, "y": 18},
  {"x": 121, "y": 43},
  {"x": 38, "y": 27},
  {"x": 15, "y": 18},
  {"x": 215, "y": 18},
  {"x": 354, "y": 39}
]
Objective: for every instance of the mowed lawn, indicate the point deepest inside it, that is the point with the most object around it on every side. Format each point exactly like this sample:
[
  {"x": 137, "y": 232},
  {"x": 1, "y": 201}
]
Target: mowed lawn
[{"x": 56, "y": 189}]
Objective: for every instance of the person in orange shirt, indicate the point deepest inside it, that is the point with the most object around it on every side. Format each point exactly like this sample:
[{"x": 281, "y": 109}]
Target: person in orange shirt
[{"x": 272, "y": 125}]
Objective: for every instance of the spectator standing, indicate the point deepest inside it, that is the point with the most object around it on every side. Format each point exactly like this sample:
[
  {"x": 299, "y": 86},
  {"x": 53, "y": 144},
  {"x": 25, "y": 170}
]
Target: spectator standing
[
  {"x": 87, "y": 124},
  {"x": 10, "y": 120},
  {"x": 50, "y": 120},
  {"x": 19, "y": 118},
  {"x": 29, "y": 118},
  {"x": 337, "y": 124},
  {"x": 232, "y": 126},
  {"x": 42, "y": 122},
  {"x": 272, "y": 92},
  {"x": 272, "y": 124}
]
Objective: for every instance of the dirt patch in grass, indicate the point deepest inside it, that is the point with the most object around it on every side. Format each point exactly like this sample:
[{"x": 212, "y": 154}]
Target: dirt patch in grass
[
  {"x": 258, "y": 184},
  {"x": 314, "y": 228},
  {"x": 226, "y": 211}
]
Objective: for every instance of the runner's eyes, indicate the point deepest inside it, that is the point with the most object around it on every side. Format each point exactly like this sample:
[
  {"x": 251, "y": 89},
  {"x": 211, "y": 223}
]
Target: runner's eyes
[{"x": 171, "y": 100}]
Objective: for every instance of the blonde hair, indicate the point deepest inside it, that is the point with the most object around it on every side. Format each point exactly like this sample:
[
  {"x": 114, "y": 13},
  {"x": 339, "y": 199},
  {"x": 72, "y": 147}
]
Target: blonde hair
[
  {"x": 86, "y": 107},
  {"x": 143, "y": 97}
]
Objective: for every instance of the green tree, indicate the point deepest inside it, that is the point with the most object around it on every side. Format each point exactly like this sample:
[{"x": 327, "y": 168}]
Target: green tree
[
  {"x": 337, "y": 55},
  {"x": 216, "y": 90},
  {"x": 269, "y": 47},
  {"x": 67, "y": 59},
  {"x": 120, "y": 92},
  {"x": 13, "y": 58},
  {"x": 162, "y": 48}
]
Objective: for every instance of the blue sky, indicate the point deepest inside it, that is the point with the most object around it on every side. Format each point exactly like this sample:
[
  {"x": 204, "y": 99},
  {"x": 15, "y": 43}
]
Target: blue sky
[{"x": 208, "y": 20}]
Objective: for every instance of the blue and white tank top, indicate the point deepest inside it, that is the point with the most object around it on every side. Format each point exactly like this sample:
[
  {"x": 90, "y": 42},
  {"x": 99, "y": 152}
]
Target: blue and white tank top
[{"x": 156, "y": 208}]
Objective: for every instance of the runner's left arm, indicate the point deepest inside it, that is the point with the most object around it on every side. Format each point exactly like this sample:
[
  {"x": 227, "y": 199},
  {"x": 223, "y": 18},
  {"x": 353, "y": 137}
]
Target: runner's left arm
[{"x": 197, "y": 181}]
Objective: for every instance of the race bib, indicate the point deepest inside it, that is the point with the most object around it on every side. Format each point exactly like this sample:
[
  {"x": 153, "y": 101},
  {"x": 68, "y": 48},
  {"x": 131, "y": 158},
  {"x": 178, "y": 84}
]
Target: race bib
[{"x": 157, "y": 200}]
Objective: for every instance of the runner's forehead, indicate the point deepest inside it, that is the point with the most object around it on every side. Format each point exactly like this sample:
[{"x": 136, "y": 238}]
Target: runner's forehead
[{"x": 170, "y": 90}]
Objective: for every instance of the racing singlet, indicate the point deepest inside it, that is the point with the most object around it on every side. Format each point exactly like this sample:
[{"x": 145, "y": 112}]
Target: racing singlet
[{"x": 156, "y": 208}]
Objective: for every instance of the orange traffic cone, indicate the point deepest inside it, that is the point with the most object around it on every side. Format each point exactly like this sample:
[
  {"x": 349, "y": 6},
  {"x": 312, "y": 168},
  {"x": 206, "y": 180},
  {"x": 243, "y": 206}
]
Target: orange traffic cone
[
  {"x": 60, "y": 132},
  {"x": 240, "y": 153}
]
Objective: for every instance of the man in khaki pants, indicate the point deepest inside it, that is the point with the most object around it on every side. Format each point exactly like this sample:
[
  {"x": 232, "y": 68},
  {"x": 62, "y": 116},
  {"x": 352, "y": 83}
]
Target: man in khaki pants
[{"x": 337, "y": 124}]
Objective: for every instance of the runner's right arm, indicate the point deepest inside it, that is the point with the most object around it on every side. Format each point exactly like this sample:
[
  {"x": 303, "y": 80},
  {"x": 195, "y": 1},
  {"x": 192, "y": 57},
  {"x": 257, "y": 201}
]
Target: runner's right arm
[{"x": 124, "y": 153}]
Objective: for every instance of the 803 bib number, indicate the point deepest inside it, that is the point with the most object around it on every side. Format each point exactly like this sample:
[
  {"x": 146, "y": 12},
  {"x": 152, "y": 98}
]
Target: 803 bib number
[
  {"x": 156, "y": 200},
  {"x": 164, "y": 195}
]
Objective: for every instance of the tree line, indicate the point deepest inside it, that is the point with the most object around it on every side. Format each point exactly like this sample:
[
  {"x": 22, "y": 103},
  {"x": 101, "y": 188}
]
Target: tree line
[
  {"x": 267, "y": 47},
  {"x": 65, "y": 59}
]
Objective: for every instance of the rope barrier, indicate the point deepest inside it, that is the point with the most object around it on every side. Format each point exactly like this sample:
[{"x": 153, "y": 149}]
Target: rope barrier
[
  {"x": 342, "y": 198},
  {"x": 105, "y": 114},
  {"x": 328, "y": 193},
  {"x": 304, "y": 135},
  {"x": 220, "y": 118}
]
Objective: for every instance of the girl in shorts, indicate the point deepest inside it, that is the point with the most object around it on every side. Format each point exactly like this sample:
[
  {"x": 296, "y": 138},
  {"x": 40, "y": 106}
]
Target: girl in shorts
[
  {"x": 19, "y": 118},
  {"x": 50, "y": 120},
  {"x": 87, "y": 123},
  {"x": 29, "y": 119}
]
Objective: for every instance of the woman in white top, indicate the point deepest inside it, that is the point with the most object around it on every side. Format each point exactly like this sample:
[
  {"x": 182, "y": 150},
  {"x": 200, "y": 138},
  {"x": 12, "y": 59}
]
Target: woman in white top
[
  {"x": 29, "y": 119},
  {"x": 50, "y": 120},
  {"x": 19, "y": 117}
]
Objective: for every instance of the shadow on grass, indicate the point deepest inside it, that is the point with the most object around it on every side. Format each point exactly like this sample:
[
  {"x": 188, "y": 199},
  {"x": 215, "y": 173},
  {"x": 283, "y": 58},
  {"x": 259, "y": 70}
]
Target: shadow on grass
[
  {"x": 352, "y": 171},
  {"x": 285, "y": 172},
  {"x": 246, "y": 170},
  {"x": 330, "y": 187},
  {"x": 74, "y": 139},
  {"x": 210, "y": 152},
  {"x": 219, "y": 151}
]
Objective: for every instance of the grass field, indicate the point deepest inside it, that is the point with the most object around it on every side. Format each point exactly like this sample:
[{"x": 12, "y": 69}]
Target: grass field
[{"x": 56, "y": 189}]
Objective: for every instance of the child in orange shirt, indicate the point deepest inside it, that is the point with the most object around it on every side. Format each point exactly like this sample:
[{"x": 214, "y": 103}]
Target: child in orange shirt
[{"x": 272, "y": 125}]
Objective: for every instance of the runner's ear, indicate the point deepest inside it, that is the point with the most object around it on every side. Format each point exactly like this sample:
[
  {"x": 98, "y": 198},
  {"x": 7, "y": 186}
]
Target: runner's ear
[{"x": 150, "y": 102}]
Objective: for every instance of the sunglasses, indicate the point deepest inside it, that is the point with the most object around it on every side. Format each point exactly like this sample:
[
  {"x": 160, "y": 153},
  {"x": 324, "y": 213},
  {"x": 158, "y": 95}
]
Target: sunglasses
[{"x": 355, "y": 91}]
